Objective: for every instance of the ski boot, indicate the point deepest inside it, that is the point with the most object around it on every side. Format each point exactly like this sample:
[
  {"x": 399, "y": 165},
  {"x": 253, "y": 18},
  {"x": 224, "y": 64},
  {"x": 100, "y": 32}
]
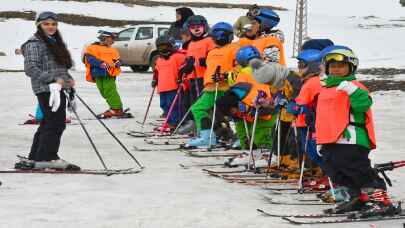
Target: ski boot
[
  {"x": 56, "y": 165},
  {"x": 167, "y": 128},
  {"x": 236, "y": 145},
  {"x": 187, "y": 129},
  {"x": 203, "y": 140},
  {"x": 375, "y": 203},
  {"x": 240, "y": 160},
  {"x": 341, "y": 194}
]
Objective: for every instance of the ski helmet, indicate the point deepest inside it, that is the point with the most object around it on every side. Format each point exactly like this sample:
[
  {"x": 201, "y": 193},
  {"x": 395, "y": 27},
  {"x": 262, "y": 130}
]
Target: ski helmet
[
  {"x": 103, "y": 34},
  {"x": 268, "y": 18},
  {"x": 196, "y": 20},
  {"x": 340, "y": 54},
  {"x": 247, "y": 53},
  {"x": 318, "y": 44},
  {"x": 309, "y": 55},
  {"x": 222, "y": 33},
  {"x": 165, "y": 45}
]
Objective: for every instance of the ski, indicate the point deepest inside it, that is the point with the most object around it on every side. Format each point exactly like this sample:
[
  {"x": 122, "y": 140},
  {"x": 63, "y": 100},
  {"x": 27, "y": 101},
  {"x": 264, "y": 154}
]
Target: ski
[
  {"x": 155, "y": 149},
  {"x": 227, "y": 170},
  {"x": 320, "y": 215},
  {"x": 206, "y": 154},
  {"x": 146, "y": 134},
  {"x": 295, "y": 221},
  {"x": 305, "y": 203},
  {"x": 184, "y": 166},
  {"x": 163, "y": 143},
  {"x": 83, "y": 171}
]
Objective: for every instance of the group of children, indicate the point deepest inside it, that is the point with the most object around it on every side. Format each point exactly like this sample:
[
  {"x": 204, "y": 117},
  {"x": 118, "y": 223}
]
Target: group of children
[
  {"x": 212, "y": 81},
  {"x": 246, "y": 82}
]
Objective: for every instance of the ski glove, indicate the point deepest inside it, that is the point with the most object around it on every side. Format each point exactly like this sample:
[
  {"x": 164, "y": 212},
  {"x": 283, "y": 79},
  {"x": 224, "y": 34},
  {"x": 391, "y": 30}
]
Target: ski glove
[
  {"x": 104, "y": 65},
  {"x": 188, "y": 66},
  {"x": 153, "y": 83},
  {"x": 54, "y": 98},
  {"x": 295, "y": 109},
  {"x": 203, "y": 62},
  {"x": 347, "y": 87}
]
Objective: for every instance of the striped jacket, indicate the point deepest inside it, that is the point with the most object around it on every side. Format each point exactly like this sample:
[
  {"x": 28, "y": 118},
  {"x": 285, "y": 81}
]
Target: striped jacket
[{"x": 40, "y": 65}]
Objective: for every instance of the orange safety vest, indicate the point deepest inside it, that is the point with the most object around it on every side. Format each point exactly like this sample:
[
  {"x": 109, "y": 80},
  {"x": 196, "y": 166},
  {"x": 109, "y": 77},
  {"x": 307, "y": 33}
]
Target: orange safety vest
[
  {"x": 105, "y": 54},
  {"x": 224, "y": 57},
  {"x": 253, "y": 93},
  {"x": 199, "y": 49},
  {"x": 168, "y": 71},
  {"x": 332, "y": 116},
  {"x": 268, "y": 41},
  {"x": 307, "y": 97},
  {"x": 245, "y": 42}
]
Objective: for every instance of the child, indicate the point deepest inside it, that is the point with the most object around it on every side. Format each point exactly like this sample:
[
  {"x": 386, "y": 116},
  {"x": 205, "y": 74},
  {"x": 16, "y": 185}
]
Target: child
[
  {"x": 239, "y": 102},
  {"x": 194, "y": 67},
  {"x": 269, "y": 42},
  {"x": 345, "y": 132},
  {"x": 102, "y": 67},
  {"x": 166, "y": 78},
  {"x": 220, "y": 61}
]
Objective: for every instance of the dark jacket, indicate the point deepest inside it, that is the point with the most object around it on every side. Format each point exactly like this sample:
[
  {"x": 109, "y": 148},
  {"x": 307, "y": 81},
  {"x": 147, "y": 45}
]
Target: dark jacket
[
  {"x": 40, "y": 65},
  {"x": 177, "y": 26}
]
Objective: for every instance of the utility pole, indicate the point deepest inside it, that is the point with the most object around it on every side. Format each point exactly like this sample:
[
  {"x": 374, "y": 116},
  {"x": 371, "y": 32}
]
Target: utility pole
[{"x": 301, "y": 26}]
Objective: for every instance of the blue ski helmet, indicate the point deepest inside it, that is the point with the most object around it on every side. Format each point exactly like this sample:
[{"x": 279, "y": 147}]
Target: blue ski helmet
[
  {"x": 267, "y": 18},
  {"x": 222, "y": 33},
  {"x": 310, "y": 55},
  {"x": 318, "y": 44},
  {"x": 247, "y": 53}
]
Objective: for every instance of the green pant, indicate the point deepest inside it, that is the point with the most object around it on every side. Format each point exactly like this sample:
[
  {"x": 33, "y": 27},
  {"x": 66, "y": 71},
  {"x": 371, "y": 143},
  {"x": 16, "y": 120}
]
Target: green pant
[
  {"x": 262, "y": 135},
  {"x": 108, "y": 89},
  {"x": 201, "y": 108}
]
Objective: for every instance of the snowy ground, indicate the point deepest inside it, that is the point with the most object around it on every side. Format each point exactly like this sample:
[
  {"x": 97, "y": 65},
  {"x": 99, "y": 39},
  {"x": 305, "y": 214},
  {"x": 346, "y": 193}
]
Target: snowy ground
[{"x": 164, "y": 195}]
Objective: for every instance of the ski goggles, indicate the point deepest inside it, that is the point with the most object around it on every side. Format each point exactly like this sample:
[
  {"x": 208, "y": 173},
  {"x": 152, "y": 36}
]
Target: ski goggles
[{"x": 336, "y": 57}]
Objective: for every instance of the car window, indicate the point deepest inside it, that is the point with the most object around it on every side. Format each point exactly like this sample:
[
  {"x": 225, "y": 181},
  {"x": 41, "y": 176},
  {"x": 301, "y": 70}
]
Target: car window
[
  {"x": 125, "y": 35},
  {"x": 162, "y": 31},
  {"x": 144, "y": 33}
]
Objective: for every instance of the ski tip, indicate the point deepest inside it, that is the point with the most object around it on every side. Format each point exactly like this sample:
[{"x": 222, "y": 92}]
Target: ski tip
[{"x": 291, "y": 221}]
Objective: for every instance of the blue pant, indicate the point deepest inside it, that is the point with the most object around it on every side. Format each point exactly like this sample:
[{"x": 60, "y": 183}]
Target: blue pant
[
  {"x": 311, "y": 147},
  {"x": 166, "y": 100}
]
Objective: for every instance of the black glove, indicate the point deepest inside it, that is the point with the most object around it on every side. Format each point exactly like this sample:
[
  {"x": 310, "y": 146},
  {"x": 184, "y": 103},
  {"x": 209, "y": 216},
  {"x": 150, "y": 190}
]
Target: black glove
[
  {"x": 217, "y": 76},
  {"x": 188, "y": 66},
  {"x": 179, "y": 80},
  {"x": 310, "y": 120},
  {"x": 154, "y": 83},
  {"x": 203, "y": 62}
]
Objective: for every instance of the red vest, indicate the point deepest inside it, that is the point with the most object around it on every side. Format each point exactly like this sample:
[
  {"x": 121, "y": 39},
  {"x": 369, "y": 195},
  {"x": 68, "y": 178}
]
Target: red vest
[
  {"x": 168, "y": 71},
  {"x": 332, "y": 116},
  {"x": 307, "y": 96}
]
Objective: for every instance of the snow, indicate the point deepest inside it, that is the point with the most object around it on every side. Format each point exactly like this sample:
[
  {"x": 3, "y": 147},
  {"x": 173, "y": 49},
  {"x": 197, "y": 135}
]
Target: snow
[{"x": 163, "y": 195}]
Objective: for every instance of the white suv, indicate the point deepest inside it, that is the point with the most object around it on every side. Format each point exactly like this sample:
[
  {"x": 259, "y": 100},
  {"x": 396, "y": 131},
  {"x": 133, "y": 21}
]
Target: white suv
[{"x": 136, "y": 45}]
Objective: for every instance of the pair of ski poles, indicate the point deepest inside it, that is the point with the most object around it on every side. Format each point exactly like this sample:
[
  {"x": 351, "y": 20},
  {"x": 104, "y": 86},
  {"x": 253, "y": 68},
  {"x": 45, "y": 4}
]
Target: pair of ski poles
[{"x": 70, "y": 98}]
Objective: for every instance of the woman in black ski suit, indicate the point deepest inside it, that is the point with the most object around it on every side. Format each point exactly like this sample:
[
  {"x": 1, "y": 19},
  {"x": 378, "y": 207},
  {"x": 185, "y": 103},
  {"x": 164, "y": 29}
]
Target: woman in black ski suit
[
  {"x": 182, "y": 14},
  {"x": 46, "y": 62}
]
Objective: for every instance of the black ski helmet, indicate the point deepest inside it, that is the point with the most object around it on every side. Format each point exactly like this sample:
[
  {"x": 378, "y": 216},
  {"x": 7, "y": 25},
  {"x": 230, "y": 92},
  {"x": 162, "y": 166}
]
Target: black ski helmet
[{"x": 169, "y": 42}]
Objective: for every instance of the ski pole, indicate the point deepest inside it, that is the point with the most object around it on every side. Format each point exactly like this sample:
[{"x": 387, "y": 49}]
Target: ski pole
[
  {"x": 300, "y": 187},
  {"x": 197, "y": 88},
  {"x": 252, "y": 157},
  {"x": 110, "y": 132},
  {"x": 246, "y": 129},
  {"x": 332, "y": 189},
  {"x": 213, "y": 115},
  {"x": 147, "y": 109},
  {"x": 182, "y": 120},
  {"x": 170, "y": 112},
  {"x": 273, "y": 135},
  {"x": 86, "y": 132}
]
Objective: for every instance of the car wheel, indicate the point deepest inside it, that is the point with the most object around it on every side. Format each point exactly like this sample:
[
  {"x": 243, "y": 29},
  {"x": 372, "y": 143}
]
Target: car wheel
[{"x": 139, "y": 68}]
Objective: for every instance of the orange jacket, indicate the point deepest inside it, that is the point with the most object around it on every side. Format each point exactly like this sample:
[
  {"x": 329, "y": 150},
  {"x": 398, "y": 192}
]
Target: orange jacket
[
  {"x": 268, "y": 41},
  {"x": 224, "y": 57},
  {"x": 199, "y": 49},
  {"x": 332, "y": 116},
  {"x": 307, "y": 96},
  {"x": 249, "y": 99},
  {"x": 245, "y": 41},
  {"x": 168, "y": 71},
  {"x": 105, "y": 54}
]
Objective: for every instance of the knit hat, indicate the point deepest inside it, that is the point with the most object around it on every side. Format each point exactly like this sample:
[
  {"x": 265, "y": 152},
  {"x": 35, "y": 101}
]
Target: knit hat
[
  {"x": 45, "y": 16},
  {"x": 269, "y": 73}
]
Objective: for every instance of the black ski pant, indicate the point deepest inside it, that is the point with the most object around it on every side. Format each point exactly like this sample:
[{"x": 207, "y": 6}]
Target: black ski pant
[
  {"x": 45, "y": 145},
  {"x": 348, "y": 165},
  {"x": 190, "y": 96}
]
